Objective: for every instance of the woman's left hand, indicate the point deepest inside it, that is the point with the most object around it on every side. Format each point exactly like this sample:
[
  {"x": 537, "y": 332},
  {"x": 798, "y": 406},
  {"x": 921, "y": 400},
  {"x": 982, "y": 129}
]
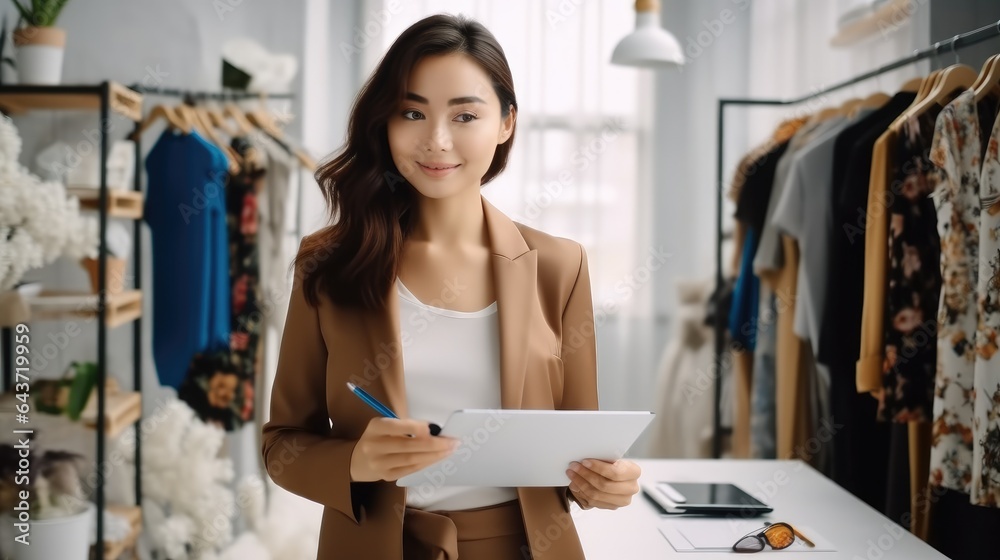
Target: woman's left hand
[{"x": 600, "y": 484}]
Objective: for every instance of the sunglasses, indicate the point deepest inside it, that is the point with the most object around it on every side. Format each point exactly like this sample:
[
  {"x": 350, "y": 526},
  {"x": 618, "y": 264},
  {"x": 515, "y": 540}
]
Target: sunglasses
[{"x": 775, "y": 535}]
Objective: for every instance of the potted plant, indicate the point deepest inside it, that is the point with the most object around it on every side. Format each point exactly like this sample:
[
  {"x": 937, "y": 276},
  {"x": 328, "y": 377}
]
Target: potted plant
[
  {"x": 47, "y": 515},
  {"x": 40, "y": 45}
]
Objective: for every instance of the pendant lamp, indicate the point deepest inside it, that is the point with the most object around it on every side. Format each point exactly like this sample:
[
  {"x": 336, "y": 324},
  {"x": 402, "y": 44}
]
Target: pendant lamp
[{"x": 649, "y": 46}]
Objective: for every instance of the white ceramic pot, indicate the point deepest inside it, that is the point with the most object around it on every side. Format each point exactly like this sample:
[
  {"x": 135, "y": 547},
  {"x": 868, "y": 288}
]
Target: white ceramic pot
[
  {"x": 40, "y": 55},
  {"x": 65, "y": 538}
]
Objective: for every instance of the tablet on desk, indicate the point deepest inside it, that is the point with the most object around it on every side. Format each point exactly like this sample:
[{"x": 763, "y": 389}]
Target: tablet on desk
[
  {"x": 704, "y": 498},
  {"x": 510, "y": 448}
]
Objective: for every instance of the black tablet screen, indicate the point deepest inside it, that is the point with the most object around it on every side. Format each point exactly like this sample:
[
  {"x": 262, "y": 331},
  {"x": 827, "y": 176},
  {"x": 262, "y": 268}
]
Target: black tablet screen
[{"x": 710, "y": 494}]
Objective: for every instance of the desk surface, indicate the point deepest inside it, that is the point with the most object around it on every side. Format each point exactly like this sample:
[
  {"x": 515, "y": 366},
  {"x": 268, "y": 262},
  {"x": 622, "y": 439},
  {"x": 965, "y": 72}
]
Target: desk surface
[{"x": 798, "y": 493}]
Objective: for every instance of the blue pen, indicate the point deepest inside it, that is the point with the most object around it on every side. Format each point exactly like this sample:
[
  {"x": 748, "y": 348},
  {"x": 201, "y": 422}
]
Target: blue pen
[
  {"x": 371, "y": 401},
  {"x": 381, "y": 408}
]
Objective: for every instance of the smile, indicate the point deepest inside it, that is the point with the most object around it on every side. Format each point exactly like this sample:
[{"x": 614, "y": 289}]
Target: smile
[
  {"x": 437, "y": 172},
  {"x": 437, "y": 168}
]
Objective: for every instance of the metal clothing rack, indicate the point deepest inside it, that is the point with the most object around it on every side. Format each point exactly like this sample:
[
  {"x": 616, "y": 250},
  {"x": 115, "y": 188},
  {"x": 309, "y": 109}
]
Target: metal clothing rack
[
  {"x": 957, "y": 42},
  {"x": 224, "y": 95}
]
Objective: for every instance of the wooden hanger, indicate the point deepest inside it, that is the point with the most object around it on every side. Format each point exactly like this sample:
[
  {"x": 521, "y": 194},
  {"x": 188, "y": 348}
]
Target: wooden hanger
[
  {"x": 233, "y": 159},
  {"x": 218, "y": 120},
  {"x": 925, "y": 87},
  {"x": 845, "y": 108},
  {"x": 952, "y": 78},
  {"x": 913, "y": 84},
  {"x": 175, "y": 120},
  {"x": 873, "y": 101},
  {"x": 989, "y": 78},
  {"x": 235, "y": 112},
  {"x": 262, "y": 119}
]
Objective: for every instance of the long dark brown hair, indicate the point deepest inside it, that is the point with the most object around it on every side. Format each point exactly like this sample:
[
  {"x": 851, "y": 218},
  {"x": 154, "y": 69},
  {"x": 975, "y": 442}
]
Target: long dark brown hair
[{"x": 355, "y": 260}]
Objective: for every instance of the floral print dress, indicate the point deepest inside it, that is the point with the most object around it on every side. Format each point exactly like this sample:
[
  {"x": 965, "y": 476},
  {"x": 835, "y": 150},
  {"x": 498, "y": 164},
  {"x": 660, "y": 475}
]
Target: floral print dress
[
  {"x": 965, "y": 452},
  {"x": 914, "y": 278}
]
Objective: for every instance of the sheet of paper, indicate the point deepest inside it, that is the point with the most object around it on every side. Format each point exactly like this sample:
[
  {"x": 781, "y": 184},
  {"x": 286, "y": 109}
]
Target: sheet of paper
[{"x": 714, "y": 535}]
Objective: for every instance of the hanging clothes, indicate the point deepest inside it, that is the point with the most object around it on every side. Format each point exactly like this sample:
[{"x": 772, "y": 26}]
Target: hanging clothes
[
  {"x": 682, "y": 428},
  {"x": 776, "y": 263},
  {"x": 275, "y": 286},
  {"x": 755, "y": 180},
  {"x": 860, "y": 434},
  {"x": 763, "y": 444},
  {"x": 914, "y": 277},
  {"x": 965, "y": 454},
  {"x": 220, "y": 383},
  {"x": 185, "y": 209},
  {"x": 244, "y": 259},
  {"x": 803, "y": 216},
  {"x": 871, "y": 352},
  {"x": 273, "y": 206}
]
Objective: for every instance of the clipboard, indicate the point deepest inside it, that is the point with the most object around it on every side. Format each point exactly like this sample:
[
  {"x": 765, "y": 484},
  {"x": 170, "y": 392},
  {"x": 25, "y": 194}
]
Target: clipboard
[{"x": 512, "y": 448}]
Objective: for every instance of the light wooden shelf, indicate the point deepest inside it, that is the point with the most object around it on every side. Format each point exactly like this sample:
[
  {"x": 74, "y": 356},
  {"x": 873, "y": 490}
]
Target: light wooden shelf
[
  {"x": 119, "y": 309},
  {"x": 888, "y": 16},
  {"x": 113, "y": 550},
  {"x": 121, "y": 409},
  {"x": 121, "y": 203},
  {"x": 19, "y": 99}
]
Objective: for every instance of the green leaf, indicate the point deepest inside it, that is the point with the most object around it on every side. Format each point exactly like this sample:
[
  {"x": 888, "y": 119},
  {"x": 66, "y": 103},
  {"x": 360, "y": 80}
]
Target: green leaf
[
  {"x": 41, "y": 13},
  {"x": 24, "y": 11}
]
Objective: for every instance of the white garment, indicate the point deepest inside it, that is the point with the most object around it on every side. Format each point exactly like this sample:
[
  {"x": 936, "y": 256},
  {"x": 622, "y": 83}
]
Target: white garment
[
  {"x": 682, "y": 428},
  {"x": 451, "y": 360}
]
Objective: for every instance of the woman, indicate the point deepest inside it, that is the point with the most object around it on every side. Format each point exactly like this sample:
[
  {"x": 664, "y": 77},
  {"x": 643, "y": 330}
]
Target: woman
[{"x": 422, "y": 275}]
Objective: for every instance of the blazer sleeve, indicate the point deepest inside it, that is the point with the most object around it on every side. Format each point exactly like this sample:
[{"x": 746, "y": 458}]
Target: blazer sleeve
[
  {"x": 579, "y": 344},
  {"x": 579, "y": 351},
  {"x": 300, "y": 454}
]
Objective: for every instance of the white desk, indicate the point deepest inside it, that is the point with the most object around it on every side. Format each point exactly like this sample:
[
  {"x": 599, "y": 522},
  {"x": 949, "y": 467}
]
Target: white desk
[{"x": 797, "y": 492}]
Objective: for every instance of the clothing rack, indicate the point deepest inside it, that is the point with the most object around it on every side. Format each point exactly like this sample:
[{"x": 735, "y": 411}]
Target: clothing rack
[
  {"x": 224, "y": 95},
  {"x": 234, "y": 95},
  {"x": 959, "y": 41}
]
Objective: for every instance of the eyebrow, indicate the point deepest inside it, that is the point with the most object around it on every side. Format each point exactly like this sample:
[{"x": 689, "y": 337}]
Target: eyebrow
[{"x": 457, "y": 101}]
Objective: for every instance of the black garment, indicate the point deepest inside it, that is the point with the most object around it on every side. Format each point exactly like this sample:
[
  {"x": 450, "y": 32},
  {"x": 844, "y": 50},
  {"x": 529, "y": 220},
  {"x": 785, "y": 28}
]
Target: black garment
[
  {"x": 861, "y": 448},
  {"x": 751, "y": 205},
  {"x": 840, "y": 331},
  {"x": 959, "y": 529}
]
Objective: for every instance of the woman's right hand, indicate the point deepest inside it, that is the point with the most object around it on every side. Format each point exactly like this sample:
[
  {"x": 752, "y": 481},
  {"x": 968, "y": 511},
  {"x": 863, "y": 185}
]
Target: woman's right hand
[{"x": 386, "y": 450}]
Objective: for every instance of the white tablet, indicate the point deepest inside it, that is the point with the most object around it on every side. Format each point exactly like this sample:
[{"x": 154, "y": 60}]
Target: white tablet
[{"x": 513, "y": 448}]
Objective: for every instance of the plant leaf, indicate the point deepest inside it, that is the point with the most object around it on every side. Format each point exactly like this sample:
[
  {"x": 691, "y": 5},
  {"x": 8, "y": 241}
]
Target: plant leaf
[
  {"x": 24, "y": 11},
  {"x": 60, "y": 4}
]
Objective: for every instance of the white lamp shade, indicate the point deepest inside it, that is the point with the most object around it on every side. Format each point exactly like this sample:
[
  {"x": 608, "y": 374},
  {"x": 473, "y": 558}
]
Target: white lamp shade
[{"x": 649, "y": 46}]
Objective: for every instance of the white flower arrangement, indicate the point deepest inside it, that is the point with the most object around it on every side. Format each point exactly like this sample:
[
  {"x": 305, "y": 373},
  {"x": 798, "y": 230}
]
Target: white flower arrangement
[
  {"x": 39, "y": 222},
  {"x": 187, "y": 503}
]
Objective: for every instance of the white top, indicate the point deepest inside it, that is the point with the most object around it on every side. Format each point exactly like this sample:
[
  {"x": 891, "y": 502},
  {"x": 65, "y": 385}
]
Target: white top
[{"x": 451, "y": 360}]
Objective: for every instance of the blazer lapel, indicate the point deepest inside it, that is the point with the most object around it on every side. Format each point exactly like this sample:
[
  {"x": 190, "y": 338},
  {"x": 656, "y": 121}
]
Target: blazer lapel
[{"x": 515, "y": 270}]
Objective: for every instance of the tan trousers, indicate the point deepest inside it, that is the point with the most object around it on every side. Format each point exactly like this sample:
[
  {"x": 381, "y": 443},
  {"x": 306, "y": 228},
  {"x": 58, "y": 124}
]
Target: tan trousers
[{"x": 486, "y": 533}]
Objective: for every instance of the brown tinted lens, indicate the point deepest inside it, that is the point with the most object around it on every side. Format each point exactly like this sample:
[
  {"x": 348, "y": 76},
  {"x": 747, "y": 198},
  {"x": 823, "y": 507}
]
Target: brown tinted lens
[
  {"x": 779, "y": 536},
  {"x": 749, "y": 543}
]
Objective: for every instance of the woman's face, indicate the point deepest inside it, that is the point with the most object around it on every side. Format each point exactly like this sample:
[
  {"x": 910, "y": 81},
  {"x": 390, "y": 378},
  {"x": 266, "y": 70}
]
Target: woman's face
[{"x": 450, "y": 118}]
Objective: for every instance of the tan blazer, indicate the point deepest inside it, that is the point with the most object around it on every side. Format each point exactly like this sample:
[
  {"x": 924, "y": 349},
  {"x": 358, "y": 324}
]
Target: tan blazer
[{"x": 548, "y": 360}]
